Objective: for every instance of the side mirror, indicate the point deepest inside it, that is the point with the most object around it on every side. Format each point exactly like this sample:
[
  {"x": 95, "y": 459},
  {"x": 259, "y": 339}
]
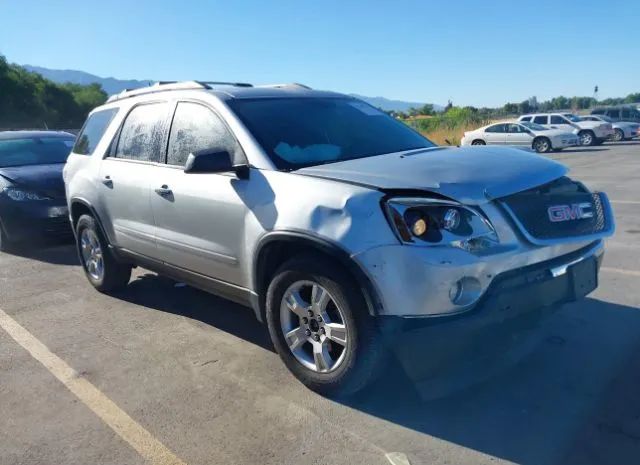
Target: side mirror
[{"x": 213, "y": 161}]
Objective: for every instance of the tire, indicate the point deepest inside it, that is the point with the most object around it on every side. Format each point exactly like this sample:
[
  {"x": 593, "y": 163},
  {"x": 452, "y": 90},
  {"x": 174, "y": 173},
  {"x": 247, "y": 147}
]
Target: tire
[
  {"x": 5, "y": 244},
  {"x": 542, "y": 145},
  {"x": 587, "y": 138},
  {"x": 100, "y": 267},
  {"x": 478, "y": 142},
  {"x": 618, "y": 135},
  {"x": 358, "y": 361},
  {"x": 558, "y": 150}
]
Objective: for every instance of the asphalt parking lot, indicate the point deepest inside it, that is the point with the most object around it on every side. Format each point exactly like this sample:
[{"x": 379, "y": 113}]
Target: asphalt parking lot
[{"x": 167, "y": 374}]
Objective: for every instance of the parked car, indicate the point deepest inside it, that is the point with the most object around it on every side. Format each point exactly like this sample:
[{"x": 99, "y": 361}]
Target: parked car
[
  {"x": 589, "y": 132},
  {"x": 629, "y": 113},
  {"x": 524, "y": 134},
  {"x": 341, "y": 227},
  {"x": 622, "y": 130},
  {"x": 32, "y": 198}
]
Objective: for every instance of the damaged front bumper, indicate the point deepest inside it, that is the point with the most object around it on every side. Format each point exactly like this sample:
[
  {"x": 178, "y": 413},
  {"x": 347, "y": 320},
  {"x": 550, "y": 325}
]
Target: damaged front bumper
[{"x": 437, "y": 282}]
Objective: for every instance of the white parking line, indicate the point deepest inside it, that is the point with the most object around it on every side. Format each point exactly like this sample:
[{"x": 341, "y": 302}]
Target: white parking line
[
  {"x": 621, "y": 271},
  {"x": 152, "y": 450},
  {"x": 626, "y": 202}
]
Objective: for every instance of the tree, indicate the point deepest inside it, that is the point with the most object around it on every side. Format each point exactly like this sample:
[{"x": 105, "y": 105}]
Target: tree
[
  {"x": 510, "y": 108},
  {"x": 524, "y": 107},
  {"x": 28, "y": 100}
]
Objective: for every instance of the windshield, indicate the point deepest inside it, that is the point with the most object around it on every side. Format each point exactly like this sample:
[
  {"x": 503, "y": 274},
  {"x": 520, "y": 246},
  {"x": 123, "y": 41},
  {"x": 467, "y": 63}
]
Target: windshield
[
  {"x": 533, "y": 126},
  {"x": 34, "y": 151},
  {"x": 299, "y": 132},
  {"x": 572, "y": 117}
]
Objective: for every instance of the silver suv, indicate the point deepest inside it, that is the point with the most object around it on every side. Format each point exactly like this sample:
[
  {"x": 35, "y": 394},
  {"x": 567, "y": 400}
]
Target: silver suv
[{"x": 340, "y": 226}]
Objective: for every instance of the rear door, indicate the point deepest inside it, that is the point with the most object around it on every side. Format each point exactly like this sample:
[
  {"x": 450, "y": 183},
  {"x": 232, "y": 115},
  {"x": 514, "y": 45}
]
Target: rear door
[
  {"x": 199, "y": 217},
  {"x": 518, "y": 135},
  {"x": 496, "y": 134},
  {"x": 126, "y": 174}
]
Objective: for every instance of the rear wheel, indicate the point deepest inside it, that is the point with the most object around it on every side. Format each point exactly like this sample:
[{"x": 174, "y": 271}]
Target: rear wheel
[
  {"x": 542, "y": 145},
  {"x": 478, "y": 142},
  {"x": 100, "y": 266},
  {"x": 587, "y": 138},
  {"x": 618, "y": 135},
  {"x": 320, "y": 327}
]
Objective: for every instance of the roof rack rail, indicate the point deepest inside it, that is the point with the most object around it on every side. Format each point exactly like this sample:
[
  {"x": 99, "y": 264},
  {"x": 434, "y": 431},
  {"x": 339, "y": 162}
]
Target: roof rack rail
[
  {"x": 284, "y": 85},
  {"x": 162, "y": 86}
]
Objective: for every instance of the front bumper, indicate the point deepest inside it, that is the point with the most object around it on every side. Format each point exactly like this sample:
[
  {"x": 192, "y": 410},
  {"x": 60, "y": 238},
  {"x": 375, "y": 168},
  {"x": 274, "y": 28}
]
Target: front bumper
[
  {"x": 564, "y": 142},
  {"x": 34, "y": 219},
  {"x": 511, "y": 308},
  {"x": 420, "y": 281}
]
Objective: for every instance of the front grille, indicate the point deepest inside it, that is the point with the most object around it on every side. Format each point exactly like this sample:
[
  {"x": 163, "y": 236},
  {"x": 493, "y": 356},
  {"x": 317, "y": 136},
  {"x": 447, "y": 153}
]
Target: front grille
[{"x": 530, "y": 211}]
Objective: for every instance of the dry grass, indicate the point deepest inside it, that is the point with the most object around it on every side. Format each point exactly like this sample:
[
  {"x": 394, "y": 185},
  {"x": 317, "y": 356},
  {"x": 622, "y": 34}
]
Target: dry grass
[{"x": 452, "y": 134}]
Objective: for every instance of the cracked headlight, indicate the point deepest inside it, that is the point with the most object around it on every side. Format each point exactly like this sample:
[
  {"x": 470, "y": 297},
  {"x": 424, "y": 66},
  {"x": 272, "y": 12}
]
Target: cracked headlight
[
  {"x": 21, "y": 195},
  {"x": 433, "y": 222}
]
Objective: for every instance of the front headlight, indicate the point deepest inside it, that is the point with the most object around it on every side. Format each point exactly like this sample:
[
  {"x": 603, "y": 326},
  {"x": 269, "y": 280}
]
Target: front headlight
[
  {"x": 21, "y": 195},
  {"x": 434, "y": 222}
]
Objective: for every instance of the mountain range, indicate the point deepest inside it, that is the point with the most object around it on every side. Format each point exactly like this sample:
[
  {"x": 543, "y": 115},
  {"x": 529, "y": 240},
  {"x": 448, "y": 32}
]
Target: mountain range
[{"x": 113, "y": 86}]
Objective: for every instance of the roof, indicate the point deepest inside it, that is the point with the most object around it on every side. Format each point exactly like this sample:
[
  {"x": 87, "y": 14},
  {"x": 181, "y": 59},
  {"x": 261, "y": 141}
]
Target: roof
[
  {"x": 228, "y": 90},
  {"x": 5, "y": 135}
]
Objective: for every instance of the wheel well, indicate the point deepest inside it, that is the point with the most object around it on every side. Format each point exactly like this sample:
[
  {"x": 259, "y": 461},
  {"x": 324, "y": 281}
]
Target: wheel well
[
  {"x": 538, "y": 138},
  {"x": 77, "y": 210},
  {"x": 478, "y": 140},
  {"x": 275, "y": 252}
]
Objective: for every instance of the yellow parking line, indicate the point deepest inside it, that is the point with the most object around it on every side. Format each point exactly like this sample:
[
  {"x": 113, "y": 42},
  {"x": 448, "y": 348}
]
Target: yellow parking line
[
  {"x": 621, "y": 271},
  {"x": 124, "y": 426}
]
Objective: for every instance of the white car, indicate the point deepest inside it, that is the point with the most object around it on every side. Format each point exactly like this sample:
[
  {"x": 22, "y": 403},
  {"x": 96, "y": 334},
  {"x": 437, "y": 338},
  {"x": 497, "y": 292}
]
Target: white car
[
  {"x": 523, "y": 134},
  {"x": 622, "y": 130},
  {"x": 589, "y": 132}
]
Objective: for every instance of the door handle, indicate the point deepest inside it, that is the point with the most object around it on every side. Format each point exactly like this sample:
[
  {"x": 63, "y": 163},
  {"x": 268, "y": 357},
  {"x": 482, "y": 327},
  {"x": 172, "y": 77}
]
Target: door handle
[
  {"x": 164, "y": 191},
  {"x": 107, "y": 181}
]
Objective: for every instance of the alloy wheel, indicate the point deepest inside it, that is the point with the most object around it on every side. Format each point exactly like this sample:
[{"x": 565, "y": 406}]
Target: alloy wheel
[
  {"x": 314, "y": 326},
  {"x": 92, "y": 254},
  {"x": 586, "y": 138}
]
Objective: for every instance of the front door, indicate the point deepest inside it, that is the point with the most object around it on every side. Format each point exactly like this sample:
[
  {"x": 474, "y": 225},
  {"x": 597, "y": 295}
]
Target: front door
[
  {"x": 126, "y": 176},
  {"x": 518, "y": 135},
  {"x": 199, "y": 217}
]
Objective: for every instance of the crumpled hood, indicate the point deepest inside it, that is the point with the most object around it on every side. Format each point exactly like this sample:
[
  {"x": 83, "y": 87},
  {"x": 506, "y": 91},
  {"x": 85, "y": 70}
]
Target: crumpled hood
[
  {"x": 470, "y": 175},
  {"x": 46, "y": 179}
]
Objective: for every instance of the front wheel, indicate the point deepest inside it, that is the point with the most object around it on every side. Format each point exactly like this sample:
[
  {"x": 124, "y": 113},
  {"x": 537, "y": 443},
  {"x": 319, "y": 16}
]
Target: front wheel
[
  {"x": 587, "y": 138},
  {"x": 100, "y": 266},
  {"x": 478, "y": 142},
  {"x": 618, "y": 135},
  {"x": 320, "y": 327},
  {"x": 542, "y": 145}
]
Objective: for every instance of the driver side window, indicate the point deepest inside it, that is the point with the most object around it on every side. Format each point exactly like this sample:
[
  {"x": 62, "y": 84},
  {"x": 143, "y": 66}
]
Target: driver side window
[
  {"x": 194, "y": 128},
  {"x": 555, "y": 119}
]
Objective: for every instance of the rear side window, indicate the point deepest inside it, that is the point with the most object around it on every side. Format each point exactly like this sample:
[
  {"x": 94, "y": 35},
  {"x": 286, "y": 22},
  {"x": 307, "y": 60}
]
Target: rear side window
[
  {"x": 525, "y": 118},
  {"x": 542, "y": 119},
  {"x": 497, "y": 128},
  {"x": 142, "y": 133},
  {"x": 558, "y": 120},
  {"x": 195, "y": 128},
  {"x": 92, "y": 131}
]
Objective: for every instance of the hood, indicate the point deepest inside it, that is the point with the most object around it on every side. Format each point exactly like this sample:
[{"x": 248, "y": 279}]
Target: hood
[
  {"x": 46, "y": 179},
  {"x": 470, "y": 175}
]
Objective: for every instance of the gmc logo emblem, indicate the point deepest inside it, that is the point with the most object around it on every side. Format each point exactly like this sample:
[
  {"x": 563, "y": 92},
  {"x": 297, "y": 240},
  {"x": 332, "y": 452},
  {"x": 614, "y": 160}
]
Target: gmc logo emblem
[{"x": 575, "y": 211}]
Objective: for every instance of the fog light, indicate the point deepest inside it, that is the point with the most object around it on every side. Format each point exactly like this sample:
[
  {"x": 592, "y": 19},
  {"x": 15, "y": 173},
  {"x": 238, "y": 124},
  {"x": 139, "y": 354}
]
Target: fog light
[{"x": 465, "y": 291}]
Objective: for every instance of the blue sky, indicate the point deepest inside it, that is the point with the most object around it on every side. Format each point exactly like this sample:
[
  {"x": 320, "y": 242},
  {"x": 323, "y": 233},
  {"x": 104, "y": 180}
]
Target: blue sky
[{"x": 474, "y": 53}]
